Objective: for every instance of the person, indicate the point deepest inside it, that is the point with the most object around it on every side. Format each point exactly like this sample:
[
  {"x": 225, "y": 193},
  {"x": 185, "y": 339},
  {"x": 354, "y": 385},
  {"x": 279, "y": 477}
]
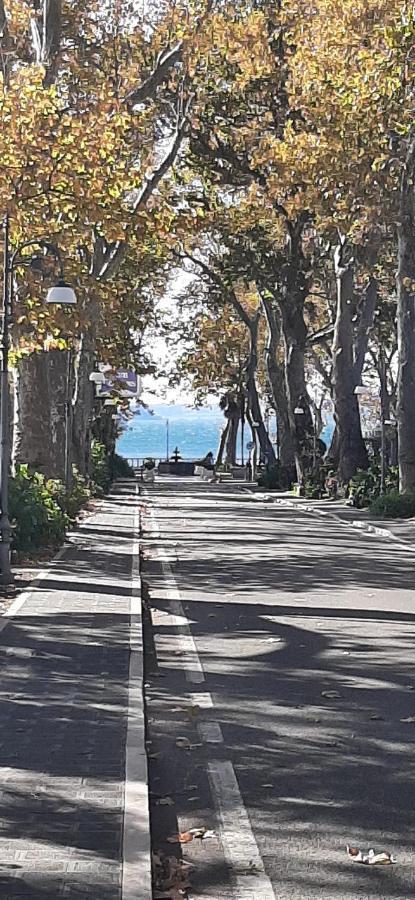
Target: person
[{"x": 332, "y": 485}]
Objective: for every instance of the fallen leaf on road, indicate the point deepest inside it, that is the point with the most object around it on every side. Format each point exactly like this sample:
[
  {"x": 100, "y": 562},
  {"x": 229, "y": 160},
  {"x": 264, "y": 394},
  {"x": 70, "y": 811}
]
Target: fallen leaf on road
[
  {"x": 170, "y": 894},
  {"x": 183, "y": 743},
  {"x": 267, "y": 785},
  {"x": 251, "y": 869},
  {"x": 184, "y": 837},
  {"x": 409, "y": 720},
  {"x": 369, "y": 857},
  {"x": 165, "y": 801},
  {"x": 170, "y": 876},
  {"x": 331, "y": 695}
]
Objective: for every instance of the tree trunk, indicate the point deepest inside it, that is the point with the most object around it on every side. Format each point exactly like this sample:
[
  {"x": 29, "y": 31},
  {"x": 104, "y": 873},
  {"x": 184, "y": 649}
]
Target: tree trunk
[
  {"x": 367, "y": 314},
  {"x": 267, "y": 450},
  {"x": 405, "y": 406},
  {"x": 351, "y": 447},
  {"x": 231, "y": 439},
  {"x": 41, "y": 395},
  {"x": 277, "y": 383},
  {"x": 222, "y": 444},
  {"x": 82, "y": 409}
]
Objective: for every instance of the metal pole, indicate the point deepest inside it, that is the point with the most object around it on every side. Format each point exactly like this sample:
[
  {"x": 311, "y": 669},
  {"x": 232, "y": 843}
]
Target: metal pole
[
  {"x": 6, "y": 576},
  {"x": 167, "y": 439}
]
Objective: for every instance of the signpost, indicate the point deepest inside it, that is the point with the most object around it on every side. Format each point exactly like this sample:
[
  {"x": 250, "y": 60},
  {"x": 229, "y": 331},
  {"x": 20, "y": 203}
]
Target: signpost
[{"x": 123, "y": 382}]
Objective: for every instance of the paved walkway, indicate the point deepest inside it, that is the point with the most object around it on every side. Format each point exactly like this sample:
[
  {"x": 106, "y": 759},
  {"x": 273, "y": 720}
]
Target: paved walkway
[
  {"x": 285, "y": 718},
  {"x": 64, "y": 679}
]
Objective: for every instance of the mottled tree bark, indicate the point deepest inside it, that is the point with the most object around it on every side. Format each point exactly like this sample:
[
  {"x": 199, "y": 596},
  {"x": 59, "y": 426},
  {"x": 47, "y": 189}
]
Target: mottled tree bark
[
  {"x": 231, "y": 439},
  {"x": 405, "y": 407},
  {"x": 352, "y": 454},
  {"x": 267, "y": 450},
  {"x": 41, "y": 397},
  {"x": 222, "y": 444},
  {"x": 82, "y": 408},
  {"x": 277, "y": 382}
]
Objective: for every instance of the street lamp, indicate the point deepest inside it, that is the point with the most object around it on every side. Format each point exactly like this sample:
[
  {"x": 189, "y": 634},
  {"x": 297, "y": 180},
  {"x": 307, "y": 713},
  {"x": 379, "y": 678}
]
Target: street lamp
[{"x": 61, "y": 293}]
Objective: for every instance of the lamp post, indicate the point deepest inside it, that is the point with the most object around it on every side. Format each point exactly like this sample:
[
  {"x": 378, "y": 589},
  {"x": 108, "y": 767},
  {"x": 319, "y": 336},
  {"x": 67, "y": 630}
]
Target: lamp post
[{"x": 61, "y": 293}]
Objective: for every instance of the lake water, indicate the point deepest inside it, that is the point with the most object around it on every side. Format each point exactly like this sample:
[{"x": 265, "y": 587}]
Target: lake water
[{"x": 194, "y": 432}]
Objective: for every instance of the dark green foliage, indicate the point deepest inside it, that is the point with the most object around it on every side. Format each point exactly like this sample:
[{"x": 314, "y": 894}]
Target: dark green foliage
[
  {"x": 41, "y": 509},
  {"x": 274, "y": 478},
  {"x": 36, "y": 516},
  {"x": 313, "y": 488},
  {"x": 120, "y": 467},
  {"x": 394, "y": 506},
  {"x": 365, "y": 487},
  {"x": 101, "y": 475}
]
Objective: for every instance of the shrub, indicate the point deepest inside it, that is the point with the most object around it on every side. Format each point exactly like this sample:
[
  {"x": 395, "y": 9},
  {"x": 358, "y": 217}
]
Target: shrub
[
  {"x": 101, "y": 475},
  {"x": 275, "y": 477},
  {"x": 394, "y": 505},
  {"x": 78, "y": 496},
  {"x": 37, "y": 518},
  {"x": 364, "y": 487},
  {"x": 313, "y": 488},
  {"x": 120, "y": 467}
]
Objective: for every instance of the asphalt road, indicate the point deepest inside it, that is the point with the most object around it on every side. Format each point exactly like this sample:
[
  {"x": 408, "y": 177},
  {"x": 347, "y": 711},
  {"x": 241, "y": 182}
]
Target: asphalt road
[{"x": 258, "y": 614}]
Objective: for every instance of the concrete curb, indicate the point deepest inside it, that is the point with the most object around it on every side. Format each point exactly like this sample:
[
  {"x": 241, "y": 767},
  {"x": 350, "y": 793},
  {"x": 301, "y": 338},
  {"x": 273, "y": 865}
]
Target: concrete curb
[
  {"x": 136, "y": 875},
  {"x": 357, "y": 524}
]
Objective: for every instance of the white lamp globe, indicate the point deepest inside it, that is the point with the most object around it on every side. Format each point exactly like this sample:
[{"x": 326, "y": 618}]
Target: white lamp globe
[{"x": 61, "y": 293}]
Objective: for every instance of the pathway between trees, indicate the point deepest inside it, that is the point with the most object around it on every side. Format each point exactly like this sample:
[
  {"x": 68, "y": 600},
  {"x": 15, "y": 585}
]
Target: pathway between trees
[
  {"x": 66, "y": 819},
  {"x": 281, "y": 696}
]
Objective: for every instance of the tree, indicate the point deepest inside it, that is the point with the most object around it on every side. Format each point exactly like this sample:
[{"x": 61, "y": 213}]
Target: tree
[{"x": 94, "y": 111}]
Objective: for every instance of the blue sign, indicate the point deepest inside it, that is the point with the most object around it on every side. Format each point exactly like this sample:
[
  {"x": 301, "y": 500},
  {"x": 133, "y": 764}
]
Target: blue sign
[{"x": 122, "y": 383}]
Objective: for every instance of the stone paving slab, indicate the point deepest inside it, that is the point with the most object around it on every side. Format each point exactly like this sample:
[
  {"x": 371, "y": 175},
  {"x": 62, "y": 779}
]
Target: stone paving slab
[{"x": 64, "y": 677}]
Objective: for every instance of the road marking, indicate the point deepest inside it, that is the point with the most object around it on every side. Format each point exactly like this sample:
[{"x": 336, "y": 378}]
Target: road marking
[
  {"x": 136, "y": 875},
  {"x": 210, "y": 732},
  {"x": 190, "y": 660},
  {"x": 236, "y": 835}
]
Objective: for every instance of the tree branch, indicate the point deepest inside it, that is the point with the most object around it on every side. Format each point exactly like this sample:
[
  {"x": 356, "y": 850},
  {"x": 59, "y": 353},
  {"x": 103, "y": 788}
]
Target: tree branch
[
  {"x": 165, "y": 62},
  {"x": 52, "y": 31},
  {"x": 116, "y": 251},
  {"x": 228, "y": 292},
  {"x": 5, "y": 44}
]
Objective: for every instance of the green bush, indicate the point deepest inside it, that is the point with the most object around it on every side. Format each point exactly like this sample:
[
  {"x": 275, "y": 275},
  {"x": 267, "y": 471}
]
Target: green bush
[
  {"x": 313, "y": 488},
  {"x": 274, "y": 477},
  {"x": 78, "y": 496},
  {"x": 120, "y": 467},
  {"x": 36, "y": 516},
  {"x": 365, "y": 487},
  {"x": 394, "y": 505},
  {"x": 101, "y": 474}
]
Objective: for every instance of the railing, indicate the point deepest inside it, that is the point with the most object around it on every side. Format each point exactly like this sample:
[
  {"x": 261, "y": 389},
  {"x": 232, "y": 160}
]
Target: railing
[{"x": 137, "y": 461}]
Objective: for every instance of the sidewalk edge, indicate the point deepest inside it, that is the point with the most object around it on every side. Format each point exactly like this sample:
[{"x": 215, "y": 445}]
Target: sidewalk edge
[
  {"x": 136, "y": 866},
  {"x": 358, "y": 524}
]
